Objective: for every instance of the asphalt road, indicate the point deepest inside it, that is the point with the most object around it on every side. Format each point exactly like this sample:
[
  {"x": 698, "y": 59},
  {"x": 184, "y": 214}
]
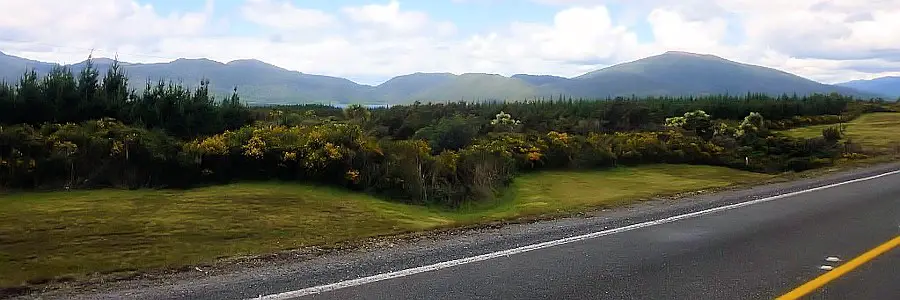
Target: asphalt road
[{"x": 756, "y": 251}]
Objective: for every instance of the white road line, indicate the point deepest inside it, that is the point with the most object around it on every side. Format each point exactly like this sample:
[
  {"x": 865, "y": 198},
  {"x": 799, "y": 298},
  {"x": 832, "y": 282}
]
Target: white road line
[{"x": 472, "y": 259}]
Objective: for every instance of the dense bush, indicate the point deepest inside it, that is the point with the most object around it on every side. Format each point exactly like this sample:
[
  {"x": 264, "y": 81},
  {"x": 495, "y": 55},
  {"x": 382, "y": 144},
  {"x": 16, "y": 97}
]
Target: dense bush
[
  {"x": 832, "y": 134},
  {"x": 611, "y": 115},
  {"x": 108, "y": 153},
  {"x": 449, "y": 133},
  {"x": 414, "y": 170},
  {"x": 90, "y": 154},
  {"x": 83, "y": 131}
]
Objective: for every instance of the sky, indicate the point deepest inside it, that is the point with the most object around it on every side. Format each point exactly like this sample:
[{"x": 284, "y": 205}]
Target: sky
[{"x": 371, "y": 41}]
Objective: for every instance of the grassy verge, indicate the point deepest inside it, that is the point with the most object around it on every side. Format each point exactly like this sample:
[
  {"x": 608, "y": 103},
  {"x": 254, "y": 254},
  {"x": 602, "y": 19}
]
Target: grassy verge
[
  {"x": 555, "y": 192},
  {"x": 876, "y": 132},
  {"x": 70, "y": 235}
]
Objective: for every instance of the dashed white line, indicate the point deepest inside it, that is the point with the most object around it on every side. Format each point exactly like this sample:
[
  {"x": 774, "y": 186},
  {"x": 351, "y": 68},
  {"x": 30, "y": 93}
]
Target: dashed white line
[{"x": 472, "y": 259}]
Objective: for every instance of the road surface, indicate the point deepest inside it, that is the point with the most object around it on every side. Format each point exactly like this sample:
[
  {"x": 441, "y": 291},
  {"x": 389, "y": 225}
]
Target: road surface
[
  {"x": 758, "y": 251},
  {"x": 758, "y": 243}
]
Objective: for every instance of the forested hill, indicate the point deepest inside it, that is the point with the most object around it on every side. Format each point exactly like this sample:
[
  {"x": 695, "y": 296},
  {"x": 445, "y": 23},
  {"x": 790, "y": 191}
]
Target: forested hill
[
  {"x": 683, "y": 73},
  {"x": 668, "y": 74}
]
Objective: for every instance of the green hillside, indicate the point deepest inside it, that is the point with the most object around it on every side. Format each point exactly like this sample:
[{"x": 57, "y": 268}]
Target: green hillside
[
  {"x": 477, "y": 87},
  {"x": 257, "y": 82},
  {"x": 681, "y": 73},
  {"x": 405, "y": 87}
]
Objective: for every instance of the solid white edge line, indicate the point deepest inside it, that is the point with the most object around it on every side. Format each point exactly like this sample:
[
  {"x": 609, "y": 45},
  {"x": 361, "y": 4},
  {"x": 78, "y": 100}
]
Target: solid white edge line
[{"x": 467, "y": 260}]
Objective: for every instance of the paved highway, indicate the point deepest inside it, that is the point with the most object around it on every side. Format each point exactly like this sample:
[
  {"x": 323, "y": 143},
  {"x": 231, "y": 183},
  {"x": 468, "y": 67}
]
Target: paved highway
[
  {"x": 759, "y": 243},
  {"x": 759, "y": 251}
]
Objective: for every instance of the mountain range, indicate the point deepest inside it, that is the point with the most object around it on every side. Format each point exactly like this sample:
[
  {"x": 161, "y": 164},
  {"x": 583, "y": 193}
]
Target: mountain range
[
  {"x": 888, "y": 86},
  {"x": 672, "y": 73}
]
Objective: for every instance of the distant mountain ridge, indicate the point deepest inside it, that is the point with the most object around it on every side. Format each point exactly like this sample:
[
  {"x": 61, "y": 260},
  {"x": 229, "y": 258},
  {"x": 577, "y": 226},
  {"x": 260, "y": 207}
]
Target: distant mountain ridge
[
  {"x": 672, "y": 73},
  {"x": 678, "y": 73},
  {"x": 12, "y": 67},
  {"x": 888, "y": 86}
]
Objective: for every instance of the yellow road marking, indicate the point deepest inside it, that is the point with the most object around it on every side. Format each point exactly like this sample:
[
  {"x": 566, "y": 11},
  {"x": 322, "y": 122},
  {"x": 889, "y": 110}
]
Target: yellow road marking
[{"x": 841, "y": 270}]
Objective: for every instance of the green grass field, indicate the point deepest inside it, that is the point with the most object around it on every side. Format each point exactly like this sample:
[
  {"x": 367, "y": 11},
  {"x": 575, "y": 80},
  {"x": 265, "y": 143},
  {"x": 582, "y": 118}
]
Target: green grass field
[
  {"x": 70, "y": 235},
  {"x": 876, "y": 132}
]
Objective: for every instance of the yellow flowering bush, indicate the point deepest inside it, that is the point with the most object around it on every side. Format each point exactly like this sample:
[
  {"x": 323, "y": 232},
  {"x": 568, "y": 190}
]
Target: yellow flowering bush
[
  {"x": 289, "y": 156},
  {"x": 560, "y": 138},
  {"x": 215, "y": 145},
  {"x": 118, "y": 148},
  {"x": 255, "y": 147},
  {"x": 308, "y": 150},
  {"x": 352, "y": 176}
]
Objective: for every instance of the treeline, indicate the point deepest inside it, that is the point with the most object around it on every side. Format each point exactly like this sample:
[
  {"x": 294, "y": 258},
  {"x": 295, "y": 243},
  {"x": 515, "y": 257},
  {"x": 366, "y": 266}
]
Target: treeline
[
  {"x": 614, "y": 115},
  {"x": 86, "y": 131},
  {"x": 63, "y": 97}
]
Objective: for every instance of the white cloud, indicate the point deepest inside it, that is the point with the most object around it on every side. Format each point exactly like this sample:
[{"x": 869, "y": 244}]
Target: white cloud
[
  {"x": 673, "y": 31},
  {"x": 118, "y": 21},
  {"x": 580, "y": 34},
  {"x": 579, "y": 39},
  {"x": 838, "y": 40},
  {"x": 376, "y": 40},
  {"x": 284, "y": 15},
  {"x": 829, "y": 41},
  {"x": 68, "y": 30},
  {"x": 825, "y": 40},
  {"x": 390, "y": 17},
  {"x": 839, "y": 29}
]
